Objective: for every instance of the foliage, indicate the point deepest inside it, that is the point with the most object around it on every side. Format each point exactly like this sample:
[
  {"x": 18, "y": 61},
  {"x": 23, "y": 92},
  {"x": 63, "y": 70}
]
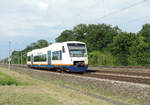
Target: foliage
[
  {"x": 145, "y": 33},
  {"x": 7, "y": 80},
  {"x": 19, "y": 57},
  {"x": 99, "y": 36},
  {"x": 121, "y": 45},
  {"x": 139, "y": 54},
  {"x": 37, "y": 45},
  {"x": 66, "y": 35},
  {"x": 99, "y": 58},
  {"x": 77, "y": 34},
  {"x": 96, "y": 36},
  {"x": 122, "y": 48}
]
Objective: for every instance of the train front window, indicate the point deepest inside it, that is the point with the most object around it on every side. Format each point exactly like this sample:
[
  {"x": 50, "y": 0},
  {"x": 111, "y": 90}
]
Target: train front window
[
  {"x": 77, "y": 50},
  {"x": 28, "y": 58}
]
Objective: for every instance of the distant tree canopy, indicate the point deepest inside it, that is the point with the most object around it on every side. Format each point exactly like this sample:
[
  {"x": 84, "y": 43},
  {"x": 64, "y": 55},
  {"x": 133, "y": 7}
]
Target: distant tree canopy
[
  {"x": 120, "y": 48},
  {"x": 36, "y": 45},
  {"x": 124, "y": 45},
  {"x": 66, "y": 35},
  {"x": 145, "y": 33},
  {"x": 95, "y": 36},
  {"x": 19, "y": 57},
  {"x": 106, "y": 45}
]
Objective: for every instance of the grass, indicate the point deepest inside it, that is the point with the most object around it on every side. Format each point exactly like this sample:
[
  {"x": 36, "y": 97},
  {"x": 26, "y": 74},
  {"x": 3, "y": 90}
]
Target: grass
[
  {"x": 26, "y": 96},
  {"x": 8, "y": 80},
  {"x": 128, "y": 100},
  {"x": 39, "y": 92}
]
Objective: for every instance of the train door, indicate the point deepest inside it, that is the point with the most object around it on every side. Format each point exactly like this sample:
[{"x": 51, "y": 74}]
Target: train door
[
  {"x": 49, "y": 57},
  {"x": 32, "y": 59}
]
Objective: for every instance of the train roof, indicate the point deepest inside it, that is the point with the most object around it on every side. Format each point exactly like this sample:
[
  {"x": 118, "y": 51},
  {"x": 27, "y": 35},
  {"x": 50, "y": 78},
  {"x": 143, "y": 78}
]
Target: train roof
[
  {"x": 73, "y": 42},
  {"x": 65, "y": 43},
  {"x": 55, "y": 44}
]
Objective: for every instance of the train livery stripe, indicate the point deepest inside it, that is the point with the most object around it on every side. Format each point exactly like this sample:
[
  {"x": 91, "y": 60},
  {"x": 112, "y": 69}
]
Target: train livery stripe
[
  {"x": 58, "y": 64},
  {"x": 40, "y": 64},
  {"x": 62, "y": 64}
]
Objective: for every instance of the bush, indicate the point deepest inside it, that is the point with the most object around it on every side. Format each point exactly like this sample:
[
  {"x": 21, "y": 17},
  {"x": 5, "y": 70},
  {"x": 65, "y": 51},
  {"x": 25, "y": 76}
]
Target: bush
[{"x": 99, "y": 58}]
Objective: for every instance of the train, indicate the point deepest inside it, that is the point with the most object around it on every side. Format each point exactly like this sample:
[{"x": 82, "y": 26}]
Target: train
[{"x": 69, "y": 56}]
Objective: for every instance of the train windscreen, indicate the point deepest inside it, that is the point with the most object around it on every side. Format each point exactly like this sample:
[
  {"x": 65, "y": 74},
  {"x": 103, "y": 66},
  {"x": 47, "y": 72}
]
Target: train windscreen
[{"x": 77, "y": 50}]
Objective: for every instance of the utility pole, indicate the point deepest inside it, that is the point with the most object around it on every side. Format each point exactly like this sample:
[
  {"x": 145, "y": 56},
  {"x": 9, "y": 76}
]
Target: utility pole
[
  {"x": 9, "y": 58},
  {"x": 18, "y": 59},
  {"x": 3, "y": 61},
  {"x": 21, "y": 56}
]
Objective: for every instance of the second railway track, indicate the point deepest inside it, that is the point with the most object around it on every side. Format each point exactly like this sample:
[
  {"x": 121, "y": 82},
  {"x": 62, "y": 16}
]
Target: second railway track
[{"x": 126, "y": 76}]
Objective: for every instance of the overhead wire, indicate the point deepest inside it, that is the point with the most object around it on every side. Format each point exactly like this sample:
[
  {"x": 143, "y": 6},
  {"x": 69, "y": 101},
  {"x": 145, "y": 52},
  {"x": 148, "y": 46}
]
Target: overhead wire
[
  {"x": 123, "y": 9},
  {"x": 133, "y": 20}
]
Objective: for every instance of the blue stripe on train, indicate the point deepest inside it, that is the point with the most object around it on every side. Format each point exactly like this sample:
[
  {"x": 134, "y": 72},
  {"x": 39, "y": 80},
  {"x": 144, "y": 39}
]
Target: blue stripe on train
[{"x": 68, "y": 67}]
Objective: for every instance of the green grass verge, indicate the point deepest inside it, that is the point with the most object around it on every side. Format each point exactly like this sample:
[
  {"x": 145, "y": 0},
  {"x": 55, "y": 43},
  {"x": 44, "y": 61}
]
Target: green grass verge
[
  {"x": 8, "y": 80},
  {"x": 93, "y": 90},
  {"x": 39, "y": 92},
  {"x": 28, "y": 99}
]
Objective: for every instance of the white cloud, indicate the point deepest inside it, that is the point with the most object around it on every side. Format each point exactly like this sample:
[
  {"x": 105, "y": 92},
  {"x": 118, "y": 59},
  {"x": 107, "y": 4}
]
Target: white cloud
[
  {"x": 43, "y": 6},
  {"x": 30, "y": 20}
]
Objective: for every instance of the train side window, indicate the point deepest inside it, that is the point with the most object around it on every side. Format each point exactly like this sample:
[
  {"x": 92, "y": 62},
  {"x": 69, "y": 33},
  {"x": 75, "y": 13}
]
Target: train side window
[
  {"x": 29, "y": 58},
  {"x": 63, "y": 49},
  {"x": 40, "y": 58},
  {"x": 57, "y": 55}
]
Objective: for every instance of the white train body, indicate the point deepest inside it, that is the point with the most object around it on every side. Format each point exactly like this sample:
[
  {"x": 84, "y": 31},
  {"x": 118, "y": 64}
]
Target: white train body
[{"x": 71, "y": 55}]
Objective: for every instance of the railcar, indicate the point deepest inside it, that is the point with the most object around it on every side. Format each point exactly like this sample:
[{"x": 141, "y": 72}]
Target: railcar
[{"x": 71, "y": 56}]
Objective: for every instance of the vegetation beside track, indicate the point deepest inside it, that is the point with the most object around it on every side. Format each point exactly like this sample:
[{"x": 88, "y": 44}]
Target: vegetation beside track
[
  {"x": 61, "y": 80},
  {"x": 8, "y": 80},
  {"x": 39, "y": 92}
]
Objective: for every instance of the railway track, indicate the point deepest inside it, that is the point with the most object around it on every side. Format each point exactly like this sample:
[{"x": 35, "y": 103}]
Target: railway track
[
  {"x": 118, "y": 75},
  {"x": 129, "y": 73},
  {"x": 126, "y": 78}
]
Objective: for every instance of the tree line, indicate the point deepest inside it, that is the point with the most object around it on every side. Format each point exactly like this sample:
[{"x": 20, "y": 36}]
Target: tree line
[
  {"x": 111, "y": 46},
  {"x": 20, "y": 57},
  {"x": 107, "y": 45}
]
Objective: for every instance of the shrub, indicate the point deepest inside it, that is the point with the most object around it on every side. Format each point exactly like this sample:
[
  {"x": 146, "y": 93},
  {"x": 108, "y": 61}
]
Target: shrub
[{"x": 99, "y": 58}]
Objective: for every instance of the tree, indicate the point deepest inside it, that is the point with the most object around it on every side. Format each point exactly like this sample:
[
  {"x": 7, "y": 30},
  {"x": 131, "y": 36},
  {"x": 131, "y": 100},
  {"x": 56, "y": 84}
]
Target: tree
[
  {"x": 66, "y": 35},
  {"x": 79, "y": 32},
  {"x": 104, "y": 40},
  {"x": 96, "y": 36},
  {"x": 145, "y": 33},
  {"x": 42, "y": 43},
  {"x": 122, "y": 43},
  {"x": 139, "y": 53},
  {"x": 16, "y": 55},
  {"x": 99, "y": 36}
]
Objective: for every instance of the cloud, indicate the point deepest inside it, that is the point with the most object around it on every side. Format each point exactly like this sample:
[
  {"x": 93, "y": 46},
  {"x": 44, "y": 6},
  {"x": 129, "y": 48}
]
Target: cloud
[
  {"x": 25, "y": 21},
  {"x": 41, "y": 4}
]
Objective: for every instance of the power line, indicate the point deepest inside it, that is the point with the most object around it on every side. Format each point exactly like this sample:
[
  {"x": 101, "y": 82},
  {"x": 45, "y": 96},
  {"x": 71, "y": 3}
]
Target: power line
[
  {"x": 133, "y": 20},
  {"x": 123, "y": 9}
]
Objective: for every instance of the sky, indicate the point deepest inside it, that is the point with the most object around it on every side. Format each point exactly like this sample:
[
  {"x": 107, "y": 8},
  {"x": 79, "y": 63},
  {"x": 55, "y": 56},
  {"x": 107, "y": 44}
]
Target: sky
[{"x": 25, "y": 21}]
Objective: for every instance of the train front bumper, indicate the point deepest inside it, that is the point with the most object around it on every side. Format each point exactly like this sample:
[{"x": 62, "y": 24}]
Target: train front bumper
[{"x": 77, "y": 69}]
